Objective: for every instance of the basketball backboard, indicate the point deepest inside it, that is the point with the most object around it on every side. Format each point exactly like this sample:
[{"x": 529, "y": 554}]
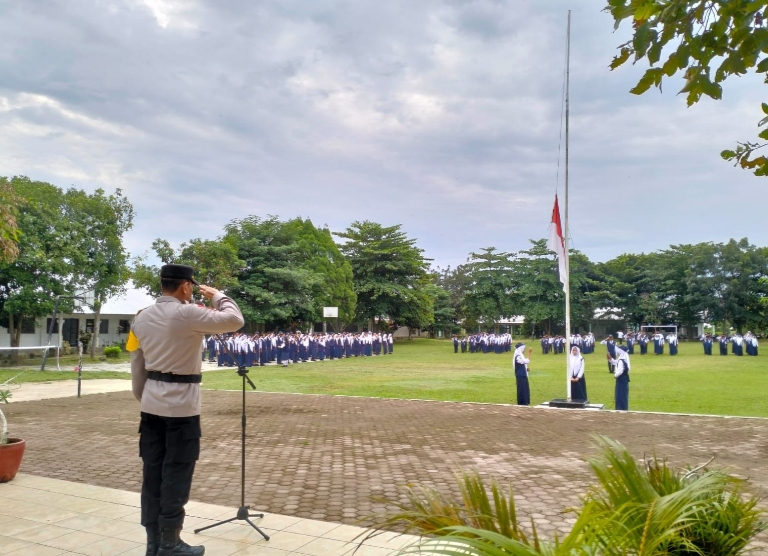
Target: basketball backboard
[
  {"x": 330, "y": 312},
  {"x": 84, "y": 299}
]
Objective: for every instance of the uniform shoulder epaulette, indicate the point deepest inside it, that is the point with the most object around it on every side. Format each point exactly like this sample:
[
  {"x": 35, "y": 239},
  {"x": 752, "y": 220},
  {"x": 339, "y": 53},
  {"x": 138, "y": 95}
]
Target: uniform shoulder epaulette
[{"x": 132, "y": 343}]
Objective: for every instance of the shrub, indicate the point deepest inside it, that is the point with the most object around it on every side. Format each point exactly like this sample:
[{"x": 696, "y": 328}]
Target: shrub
[{"x": 112, "y": 352}]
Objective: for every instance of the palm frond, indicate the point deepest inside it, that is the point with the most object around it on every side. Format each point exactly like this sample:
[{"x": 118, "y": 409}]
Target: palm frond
[
  {"x": 429, "y": 512},
  {"x": 655, "y": 509},
  {"x": 466, "y": 541}
]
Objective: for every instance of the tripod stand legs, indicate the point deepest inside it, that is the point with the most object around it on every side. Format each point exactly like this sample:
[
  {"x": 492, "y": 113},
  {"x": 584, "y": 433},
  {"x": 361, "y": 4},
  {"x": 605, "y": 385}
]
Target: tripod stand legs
[
  {"x": 242, "y": 515},
  {"x": 242, "y": 512}
]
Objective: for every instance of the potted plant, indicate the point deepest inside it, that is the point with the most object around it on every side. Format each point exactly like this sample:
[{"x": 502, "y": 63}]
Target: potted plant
[{"x": 11, "y": 449}]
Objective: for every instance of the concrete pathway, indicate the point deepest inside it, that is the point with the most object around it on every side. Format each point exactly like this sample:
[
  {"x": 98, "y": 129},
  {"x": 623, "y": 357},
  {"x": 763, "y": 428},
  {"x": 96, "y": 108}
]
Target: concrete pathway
[
  {"x": 41, "y": 516},
  {"x": 31, "y": 391},
  {"x": 50, "y": 517},
  {"x": 334, "y": 458}
]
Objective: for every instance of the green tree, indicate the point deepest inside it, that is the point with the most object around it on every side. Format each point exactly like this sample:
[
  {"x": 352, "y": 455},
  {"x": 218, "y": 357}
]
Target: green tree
[
  {"x": 389, "y": 273},
  {"x": 9, "y": 228},
  {"x": 319, "y": 254},
  {"x": 145, "y": 275},
  {"x": 589, "y": 290},
  {"x": 44, "y": 267},
  {"x": 419, "y": 313},
  {"x": 282, "y": 273},
  {"x": 490, "y": 286},
  {"x": 538, "y": 291},
  {"x": 100, "y": 261},
  {"x": 215, "y": 262},
  {"x": 726, "y": 282},
  {"x": 456, "y": 282},
  {"x": 707, "y": 40},
  {"x": 274, "y": 287},
  {"x": 629, "y": 278},
  {"x": 443, "y": 312}
]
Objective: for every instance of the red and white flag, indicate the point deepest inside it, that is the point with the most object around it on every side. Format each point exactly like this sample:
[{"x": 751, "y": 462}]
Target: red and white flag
[{"x": 556, "y": 242}]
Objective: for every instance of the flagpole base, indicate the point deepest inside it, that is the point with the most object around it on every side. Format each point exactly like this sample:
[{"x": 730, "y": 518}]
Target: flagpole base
[{"x": 569, "y": 404}]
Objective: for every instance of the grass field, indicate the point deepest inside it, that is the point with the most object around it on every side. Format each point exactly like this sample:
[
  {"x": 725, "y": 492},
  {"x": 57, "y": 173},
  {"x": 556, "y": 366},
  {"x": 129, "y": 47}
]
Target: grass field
[{"x": 428, "y": 369}]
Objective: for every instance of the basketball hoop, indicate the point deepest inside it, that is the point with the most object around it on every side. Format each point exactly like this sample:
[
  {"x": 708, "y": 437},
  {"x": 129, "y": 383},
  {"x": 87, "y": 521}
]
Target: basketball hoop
[{"x": 83, "y": 298}]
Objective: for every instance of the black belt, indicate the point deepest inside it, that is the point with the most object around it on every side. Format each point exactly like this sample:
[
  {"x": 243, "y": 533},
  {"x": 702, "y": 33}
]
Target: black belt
[{"x": 170, "y": 377}]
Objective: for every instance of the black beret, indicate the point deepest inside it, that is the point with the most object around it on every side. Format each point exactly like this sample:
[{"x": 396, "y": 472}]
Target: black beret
[{"x": 178, "y": 272}]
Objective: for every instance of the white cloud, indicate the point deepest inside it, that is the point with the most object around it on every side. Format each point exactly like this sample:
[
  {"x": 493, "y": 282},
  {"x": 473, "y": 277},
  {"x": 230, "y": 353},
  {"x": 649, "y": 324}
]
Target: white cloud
[{"x": 441, "y": 115}]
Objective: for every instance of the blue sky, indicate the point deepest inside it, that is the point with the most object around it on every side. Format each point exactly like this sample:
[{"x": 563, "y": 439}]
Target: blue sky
[{"x": 442, "y": 116}]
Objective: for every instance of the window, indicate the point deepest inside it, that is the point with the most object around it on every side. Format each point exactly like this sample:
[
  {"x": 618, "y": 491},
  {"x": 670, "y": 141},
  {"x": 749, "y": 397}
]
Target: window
[
  {"x": 28, "y": 326},
  {"x": 103, "y": 326},
  {"x": 89, "y": 325},
  {"x": 55, "y": 326},
  {"x": 124, "y": 327}
]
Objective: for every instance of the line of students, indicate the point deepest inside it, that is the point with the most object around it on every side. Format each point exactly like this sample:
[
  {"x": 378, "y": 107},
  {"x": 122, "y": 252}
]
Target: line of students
[
  {"x": 259, "y": 350},
  {"x": 483, "y": 343},
  {"x": 642, "y": 340},
  {"x": 738, "y": 344},
  {"x": 556, "y": 344}
]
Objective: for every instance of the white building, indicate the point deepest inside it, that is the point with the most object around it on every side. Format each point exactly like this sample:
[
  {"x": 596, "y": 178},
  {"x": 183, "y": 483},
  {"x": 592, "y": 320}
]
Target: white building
[{"x": 116, "y": 316}]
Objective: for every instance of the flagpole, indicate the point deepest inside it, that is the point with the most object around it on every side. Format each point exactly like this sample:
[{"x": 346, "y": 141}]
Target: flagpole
[{"x": 565, "y": 232}]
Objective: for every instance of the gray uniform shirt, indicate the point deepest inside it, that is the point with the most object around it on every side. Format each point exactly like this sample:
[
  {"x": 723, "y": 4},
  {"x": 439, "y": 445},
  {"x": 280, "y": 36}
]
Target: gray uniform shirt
[{"x": 170, "y": 334}]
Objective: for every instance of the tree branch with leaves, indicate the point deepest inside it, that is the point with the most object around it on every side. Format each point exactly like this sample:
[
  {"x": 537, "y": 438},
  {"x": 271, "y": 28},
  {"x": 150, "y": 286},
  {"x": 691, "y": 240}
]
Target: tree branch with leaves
[{"x": 708, "y": 41}]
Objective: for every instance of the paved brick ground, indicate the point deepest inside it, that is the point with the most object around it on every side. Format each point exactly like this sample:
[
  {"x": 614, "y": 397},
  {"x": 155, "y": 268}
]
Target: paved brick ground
[{"x": 325, "y": 457}]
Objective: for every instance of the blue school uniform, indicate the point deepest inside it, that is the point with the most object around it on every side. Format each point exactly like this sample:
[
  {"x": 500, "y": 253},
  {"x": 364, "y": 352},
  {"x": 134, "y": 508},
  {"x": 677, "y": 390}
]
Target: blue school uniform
[
  {"x": 621, "y": 392},
  {"x": 521, "y": 380}
]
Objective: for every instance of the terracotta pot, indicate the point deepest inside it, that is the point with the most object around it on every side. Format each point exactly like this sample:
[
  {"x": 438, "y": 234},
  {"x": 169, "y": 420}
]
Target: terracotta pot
[{"x": 10, "y": 458}]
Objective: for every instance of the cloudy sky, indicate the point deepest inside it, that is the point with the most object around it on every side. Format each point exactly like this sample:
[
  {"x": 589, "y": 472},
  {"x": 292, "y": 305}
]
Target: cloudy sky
[{"x": 442, "y": 116}]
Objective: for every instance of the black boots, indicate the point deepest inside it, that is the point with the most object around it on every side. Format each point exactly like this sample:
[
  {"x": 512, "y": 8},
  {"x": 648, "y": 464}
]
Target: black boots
[
  {"x": 172, "y": 545},
  {"x": 153, "y": 540}
]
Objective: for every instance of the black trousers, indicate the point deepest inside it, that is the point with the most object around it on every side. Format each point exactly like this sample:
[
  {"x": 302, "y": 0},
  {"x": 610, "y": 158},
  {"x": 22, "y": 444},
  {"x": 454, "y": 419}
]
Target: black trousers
[{"x": 169, "y": 446}]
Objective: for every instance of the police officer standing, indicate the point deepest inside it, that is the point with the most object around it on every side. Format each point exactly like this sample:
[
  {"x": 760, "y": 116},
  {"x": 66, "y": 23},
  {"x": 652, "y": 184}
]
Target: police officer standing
[{"x": 166, "y": 373}]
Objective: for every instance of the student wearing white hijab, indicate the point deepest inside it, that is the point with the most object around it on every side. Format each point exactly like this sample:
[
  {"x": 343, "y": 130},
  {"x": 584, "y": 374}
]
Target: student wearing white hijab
[
  {"x": 621, "y": 374},
  {"x": 672, "y": 340},
  {"x": 521, "y": 374},
  {"x": 578, "y": 382}
]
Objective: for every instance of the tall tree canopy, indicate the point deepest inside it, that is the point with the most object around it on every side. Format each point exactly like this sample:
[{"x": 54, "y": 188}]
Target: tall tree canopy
[
  {"x": 281, "y": 273},
  {"x": 320, "y": 254},
  {"x": 726, "y": 283},
  {"x": 489, "y": 287},
  {"x": 9, "y": 227},
  {"x": 214, "y": 260},
  {"x": 707, "y": 40},
  {"x": 101, "y": 262},
  {"x": 688, "y": 284},
  {"x": 291, "y": 271},
  {"x": 389, "y": 273},
  {"x": 66, "y": 241},
  {"x": 43, "y": 268}
]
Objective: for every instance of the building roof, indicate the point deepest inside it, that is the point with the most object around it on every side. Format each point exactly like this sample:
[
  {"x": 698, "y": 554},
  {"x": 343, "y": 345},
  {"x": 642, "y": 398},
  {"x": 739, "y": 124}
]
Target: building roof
[{"x": 128, "y": 304}]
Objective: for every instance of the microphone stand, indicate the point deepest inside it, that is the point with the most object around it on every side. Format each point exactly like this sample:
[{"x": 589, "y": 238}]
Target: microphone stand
[{"x": 242, "y": 513}]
